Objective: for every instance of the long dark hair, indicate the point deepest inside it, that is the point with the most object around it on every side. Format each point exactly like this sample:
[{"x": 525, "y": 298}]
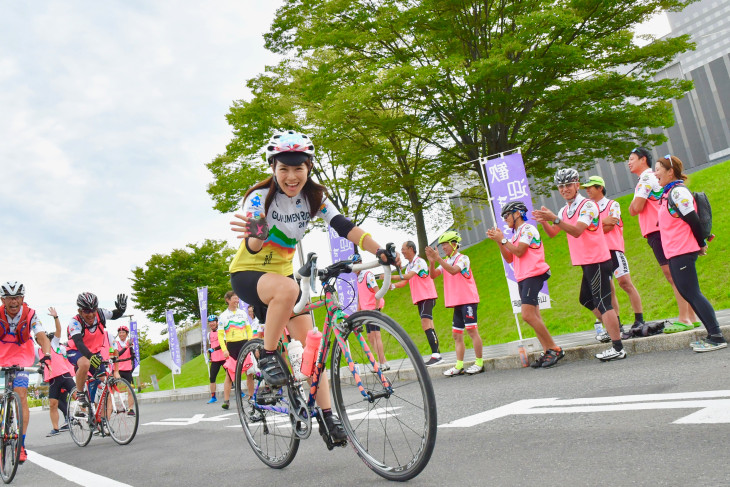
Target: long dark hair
[{"x": 313, "y": 192}]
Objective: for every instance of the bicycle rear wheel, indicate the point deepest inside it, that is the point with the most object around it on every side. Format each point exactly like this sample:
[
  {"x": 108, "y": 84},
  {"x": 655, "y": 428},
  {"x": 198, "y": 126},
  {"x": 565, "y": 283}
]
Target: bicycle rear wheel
[
  {"x": 79, "y": 420},
  {"x": 268, "y": 431},
  {"x": 393, "y": 425},
  {"x": 12, "y": 434},
  {"x": 121, "y": 411}
]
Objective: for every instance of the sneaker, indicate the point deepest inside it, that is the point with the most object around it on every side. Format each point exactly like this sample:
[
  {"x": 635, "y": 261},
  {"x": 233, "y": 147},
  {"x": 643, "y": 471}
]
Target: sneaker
[
  {"x": 551, "y": 357},
  {"x": 63, "y": 428},
  {"x": 539, "y": 361},
  {"x": 272, "y": 371},
  {"x": 611, "y": 354},
  {"x": 707, "y": 345},
  {"x": 603, "y": 337},
  {"x": 212, "y": 400},
  {"x": 337, "y": 431},
  {"x": 225, "y": 405},
  {"x": 23, "y": 455},
  {"x": 434, "y": 360},
  {"x": 475, "y": 369},
  {"x": 53, "y": 432},
  {"x": 131, "y": 412},
  {"x": 454, "y": 371},
  {"x": 384, "y": 367}
]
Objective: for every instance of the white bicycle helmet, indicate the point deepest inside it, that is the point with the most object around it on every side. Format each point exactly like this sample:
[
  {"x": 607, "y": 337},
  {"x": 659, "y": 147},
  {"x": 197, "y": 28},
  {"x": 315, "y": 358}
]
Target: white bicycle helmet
[
  {"x": 12, "y": 288},
  {"x": 297, "y": 147},
  {"x": 566, "y": 176}
]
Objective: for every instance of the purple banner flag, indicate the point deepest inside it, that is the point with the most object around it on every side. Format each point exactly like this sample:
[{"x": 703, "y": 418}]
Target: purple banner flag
[
  {"x": 203, "y": 304},
  {"x": 343, "y": 249},
  {"x": 507, "y": 182},
  {"x": 174, "y": 344},
  {"x": 135, "y": 344}
]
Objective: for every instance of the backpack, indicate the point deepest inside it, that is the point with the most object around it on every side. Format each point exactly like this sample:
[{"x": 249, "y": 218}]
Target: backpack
[{"x": 704, "y": 212}]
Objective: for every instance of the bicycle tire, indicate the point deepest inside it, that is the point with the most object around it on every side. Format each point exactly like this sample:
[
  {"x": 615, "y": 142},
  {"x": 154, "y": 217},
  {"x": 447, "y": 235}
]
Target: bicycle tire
[
  {"x": 79, "y": 426},
  {"x": 12, "y": 436},
  {"x": 396, "y": 434},
  {"x": 271, "y": 437},
  {"x": 122, "y": 426}
]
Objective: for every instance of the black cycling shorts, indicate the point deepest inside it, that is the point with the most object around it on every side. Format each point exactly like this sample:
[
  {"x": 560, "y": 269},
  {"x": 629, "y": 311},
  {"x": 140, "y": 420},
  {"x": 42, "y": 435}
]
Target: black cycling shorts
[
  {"x": 244, "y": 284},
  {"x": 127, "y": 375},
  {"x": 59, "y": 386},
  {"x": 529, "y": 288},
  {"x": 215, "y": 367},
  {"x": 654, "y": 240},
  {"x": 425, "y": 308}
]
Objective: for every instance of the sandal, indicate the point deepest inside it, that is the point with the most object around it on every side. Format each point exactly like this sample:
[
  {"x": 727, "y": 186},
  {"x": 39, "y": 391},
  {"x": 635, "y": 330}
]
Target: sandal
[{"x": 678, "y": 327}]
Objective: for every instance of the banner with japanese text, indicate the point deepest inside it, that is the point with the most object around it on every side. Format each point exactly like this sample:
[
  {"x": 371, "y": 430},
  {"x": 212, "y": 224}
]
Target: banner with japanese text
[
  {"x": 507, "y": 182},
  {"x": 203, "y": 305},
  {"x": 133, "y": 333},
  {"x": 343, "y": 249},
  {"x": 175, "y": 356}
]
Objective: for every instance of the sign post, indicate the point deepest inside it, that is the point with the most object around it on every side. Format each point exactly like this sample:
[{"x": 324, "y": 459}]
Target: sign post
[{"x": 174, "y": 346}]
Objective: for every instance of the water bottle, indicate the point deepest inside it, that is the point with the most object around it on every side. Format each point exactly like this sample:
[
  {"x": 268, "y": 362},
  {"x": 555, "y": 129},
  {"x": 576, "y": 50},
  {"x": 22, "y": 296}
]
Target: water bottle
[
  {"x": 296, "y": 351},
  {"x": 314, "y": 337},
  {"x": 100, "y": 391},
  {"x": 523, "y": 355},
  {"x": 599, "y": 327}
]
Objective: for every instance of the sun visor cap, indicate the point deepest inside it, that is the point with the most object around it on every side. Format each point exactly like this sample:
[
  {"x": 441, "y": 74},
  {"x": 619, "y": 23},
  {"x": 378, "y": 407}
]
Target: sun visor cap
[{"x": 292, "y": 158}]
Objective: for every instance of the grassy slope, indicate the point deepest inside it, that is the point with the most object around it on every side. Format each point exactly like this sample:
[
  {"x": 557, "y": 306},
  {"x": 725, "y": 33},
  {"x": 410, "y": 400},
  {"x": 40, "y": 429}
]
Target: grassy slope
[
  {"x": 496, "y": 321},
  {"x": 150, "y": 366}
]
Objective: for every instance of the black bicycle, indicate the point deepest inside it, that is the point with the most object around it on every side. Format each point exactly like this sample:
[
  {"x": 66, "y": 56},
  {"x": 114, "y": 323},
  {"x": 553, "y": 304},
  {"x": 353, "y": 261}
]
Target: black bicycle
[{"x": 11, "y": 424}]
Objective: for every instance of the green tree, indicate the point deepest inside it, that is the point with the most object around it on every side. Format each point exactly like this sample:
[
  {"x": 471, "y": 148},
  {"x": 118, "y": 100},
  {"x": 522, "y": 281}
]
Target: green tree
[
  {"x": 564, "y": 80},
  {"x": 171, "y": 281}
]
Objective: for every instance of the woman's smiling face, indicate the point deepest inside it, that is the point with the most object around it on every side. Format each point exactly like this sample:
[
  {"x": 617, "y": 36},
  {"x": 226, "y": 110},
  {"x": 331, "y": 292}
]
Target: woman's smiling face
[{"x": 291, "y": 179}]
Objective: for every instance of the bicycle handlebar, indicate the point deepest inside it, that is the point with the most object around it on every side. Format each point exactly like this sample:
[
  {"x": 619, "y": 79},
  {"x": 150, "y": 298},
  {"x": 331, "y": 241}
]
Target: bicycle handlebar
[
  {"x": 334, "y": 270},
  {"x": 38, "y": 369}
]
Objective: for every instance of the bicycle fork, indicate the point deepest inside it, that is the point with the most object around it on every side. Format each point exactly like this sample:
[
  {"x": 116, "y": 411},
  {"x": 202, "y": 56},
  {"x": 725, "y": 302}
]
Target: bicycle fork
[{"x": 367, "y": 394}]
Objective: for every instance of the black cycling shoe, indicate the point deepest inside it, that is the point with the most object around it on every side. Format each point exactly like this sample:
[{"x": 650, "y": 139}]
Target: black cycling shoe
[
  {"x": 272, "y": 371},
  {"x": 337, "y": 431}
]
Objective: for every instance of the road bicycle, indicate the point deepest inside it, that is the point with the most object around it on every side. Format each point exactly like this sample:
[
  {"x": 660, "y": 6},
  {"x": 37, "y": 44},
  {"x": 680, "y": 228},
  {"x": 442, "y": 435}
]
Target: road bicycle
[
  {"x": 11, "y": 424},
  {"x": 389, "y": 416},
  {"x": 115, "y": 413}
]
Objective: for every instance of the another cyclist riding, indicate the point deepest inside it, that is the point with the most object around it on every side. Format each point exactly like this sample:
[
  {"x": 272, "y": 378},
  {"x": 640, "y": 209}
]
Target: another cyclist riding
[
  {"x": 275, "y": 215},
  {"x": 88, "y": 341},
  {"x": 124, "y": 364},
  {"x": 18, "y": 324}
]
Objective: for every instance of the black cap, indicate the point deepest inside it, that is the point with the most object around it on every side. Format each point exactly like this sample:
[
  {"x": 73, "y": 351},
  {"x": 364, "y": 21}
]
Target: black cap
[{"x": 292, "y": 158}]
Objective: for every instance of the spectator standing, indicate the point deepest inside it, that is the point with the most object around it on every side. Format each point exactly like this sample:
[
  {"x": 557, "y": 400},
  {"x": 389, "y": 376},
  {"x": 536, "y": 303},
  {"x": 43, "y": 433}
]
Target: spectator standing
[
  {"x": 423, "y": 294},
  {"x": 233, "y": 333},
  {"x": 60, "y": 378},
  {"x": 215, "y": 354},
  {"x": 645, "y": 205},
  {"x": 367, "y": 286},
  {"x": 460, "y": 293},
  {"x": 256, "y": 326},
  {"x": 527, "y": 255},
  {"x": 581, "y": 221},
  {"x": 682, "y": 242}
]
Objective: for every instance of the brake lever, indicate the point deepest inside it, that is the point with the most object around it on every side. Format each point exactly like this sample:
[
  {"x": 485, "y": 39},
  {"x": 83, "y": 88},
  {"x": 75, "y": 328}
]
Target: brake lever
[{"x": 390, "y": 248}]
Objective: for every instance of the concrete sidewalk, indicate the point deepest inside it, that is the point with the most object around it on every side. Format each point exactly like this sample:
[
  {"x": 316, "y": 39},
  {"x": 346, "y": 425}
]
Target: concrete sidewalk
[{"x": 578, "y": 346}]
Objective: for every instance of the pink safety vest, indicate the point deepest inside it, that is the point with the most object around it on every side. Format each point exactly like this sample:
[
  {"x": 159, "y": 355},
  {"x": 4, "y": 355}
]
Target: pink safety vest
[
  {"x": 422, "y": 288},
  {"x": 614, "y": 238},
  {"x": 217, "y": 355},
  {"x": 677, "y": 236},
  {"x": 59, "y": 366},
  {"x": 126, "y": 349},
  {"x": 96, "y": 342},
  {"x": 590, "y": 247},
  {"x": 17, "y": 354},
  {"x": 459, "y": 288},
  {"x": 365, "y": 295},
  {"x": 532, "y": 263}
]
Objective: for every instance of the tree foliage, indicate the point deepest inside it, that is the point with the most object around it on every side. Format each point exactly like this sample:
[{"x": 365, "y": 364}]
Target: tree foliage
[
  {"x": 564, "y": 80},
  {"x": 171, "y": 281}
]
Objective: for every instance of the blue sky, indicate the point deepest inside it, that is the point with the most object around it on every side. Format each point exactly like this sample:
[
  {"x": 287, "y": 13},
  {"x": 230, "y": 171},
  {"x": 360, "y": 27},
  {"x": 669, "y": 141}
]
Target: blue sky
[{"x": 108, "y": 113}]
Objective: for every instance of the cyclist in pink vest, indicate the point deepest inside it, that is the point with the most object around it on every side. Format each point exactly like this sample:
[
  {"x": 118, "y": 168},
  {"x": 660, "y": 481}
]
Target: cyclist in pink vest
[
  {"x": 59, "y": 378},
  {"x": 581, "y": 220},
  {"x": 645, "y": 205},
  {"x": 460, "y": 293},
  {"x": 217, "y": 359},
  {"x": 613, "y": 228},
  {"x": 18, "y": 324},
  {"x": 124, "y": 365},
  {"x": 682, "y": 241},
  {"x": 423, "y": 294},
  {"x": 366, "y": 289},
  {"x": 525, "y": 251}
]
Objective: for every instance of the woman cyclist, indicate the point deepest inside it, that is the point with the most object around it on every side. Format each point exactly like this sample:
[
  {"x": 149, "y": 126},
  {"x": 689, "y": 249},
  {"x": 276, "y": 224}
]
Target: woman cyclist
[
  {"x": 275, "y": 214},
  {"x": 682, "y": 242}
]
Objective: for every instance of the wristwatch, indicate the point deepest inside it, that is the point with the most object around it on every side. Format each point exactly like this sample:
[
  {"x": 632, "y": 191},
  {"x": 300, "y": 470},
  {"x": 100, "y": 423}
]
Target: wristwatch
[
  {"x": 557, "y": 220},
  {"x": 504, "y": 241}
]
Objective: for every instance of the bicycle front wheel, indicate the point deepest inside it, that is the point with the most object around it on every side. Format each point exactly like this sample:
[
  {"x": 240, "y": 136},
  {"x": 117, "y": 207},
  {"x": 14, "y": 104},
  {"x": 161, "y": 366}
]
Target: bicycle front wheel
[
  {"x": 264, "y": 414},
  {"x": 390, "y": 418},
  {"x": 121, "y": 410},
  {"x": 12, "y": 434},
  {"x": 79, "y": 420}
]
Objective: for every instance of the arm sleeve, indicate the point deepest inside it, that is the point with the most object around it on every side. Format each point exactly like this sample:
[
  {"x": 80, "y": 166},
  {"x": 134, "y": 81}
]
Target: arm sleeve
[
  {"x": 341, "y": 225},
  {"x": 222, "y": 339},
  {"x": 81, "y": 346}
]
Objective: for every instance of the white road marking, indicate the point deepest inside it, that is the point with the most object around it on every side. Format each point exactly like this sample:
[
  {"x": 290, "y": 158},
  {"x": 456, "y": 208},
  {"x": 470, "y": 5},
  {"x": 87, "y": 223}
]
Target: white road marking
[
  {"x": 197, "y": 418},
  {"x": 71, "y": 473},
  {"x": 714, "y": 407}
]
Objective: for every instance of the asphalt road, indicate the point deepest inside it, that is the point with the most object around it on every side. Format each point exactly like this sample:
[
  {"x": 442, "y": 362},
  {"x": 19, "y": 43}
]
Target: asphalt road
[{"x": 675, "y": 433}]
